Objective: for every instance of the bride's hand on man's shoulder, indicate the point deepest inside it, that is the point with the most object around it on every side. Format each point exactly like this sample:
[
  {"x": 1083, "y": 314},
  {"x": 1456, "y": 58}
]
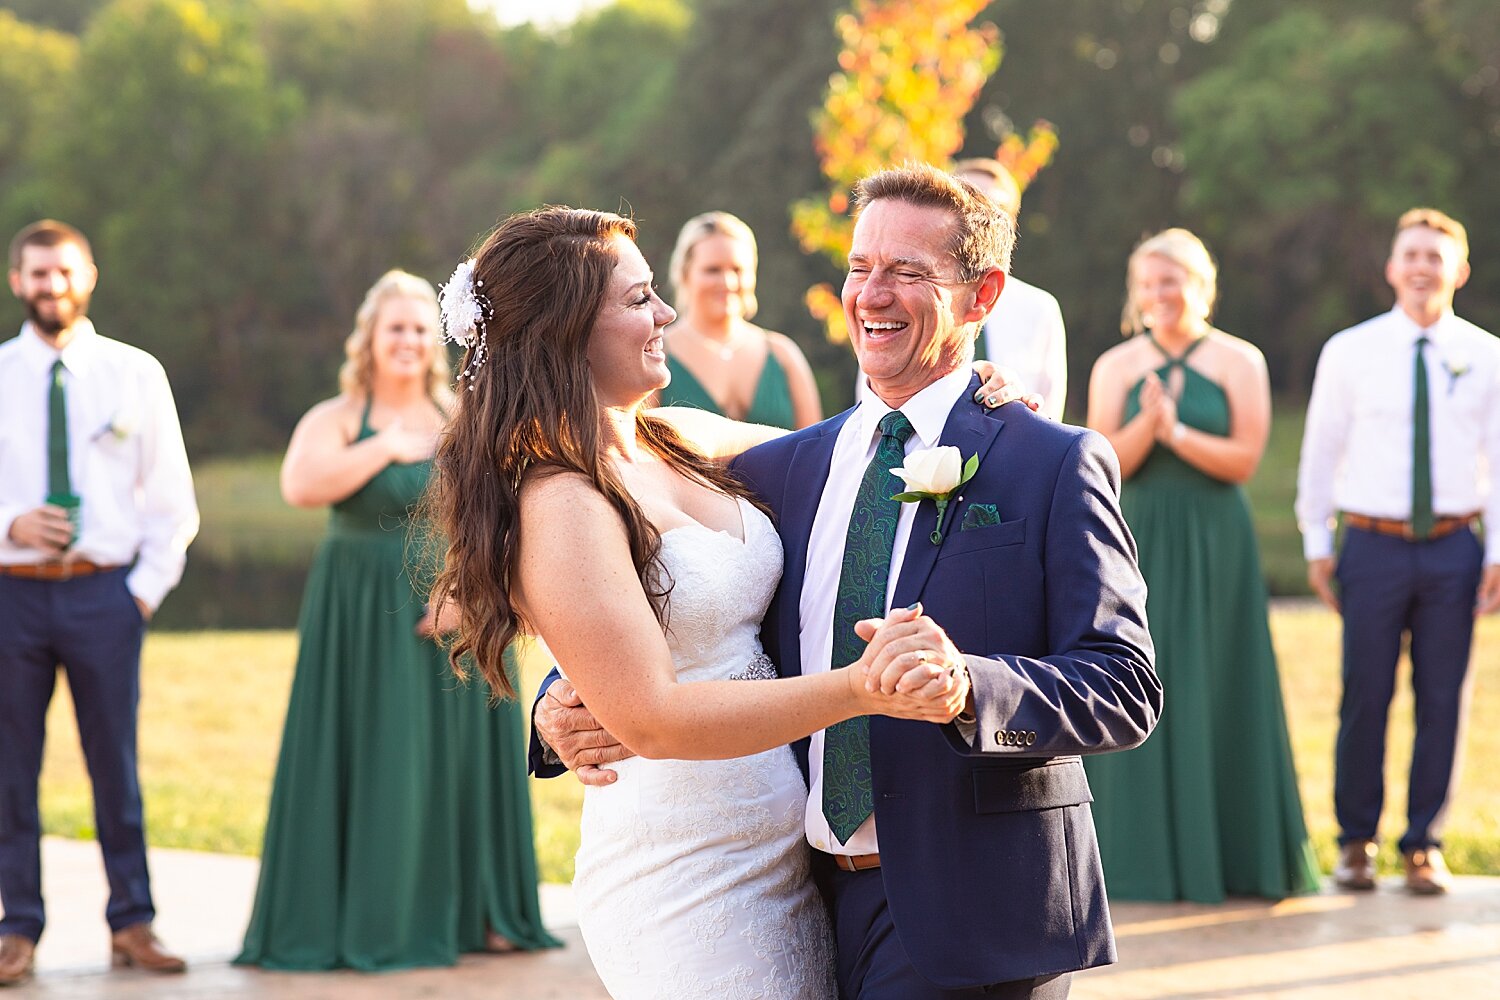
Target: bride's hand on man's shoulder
[
  {"x": 1003, "y": 385},
  {"x": 910, "y": 669}
]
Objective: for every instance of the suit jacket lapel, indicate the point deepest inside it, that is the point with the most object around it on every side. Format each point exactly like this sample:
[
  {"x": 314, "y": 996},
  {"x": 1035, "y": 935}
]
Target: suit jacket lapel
[
  {"x": 972, "y": 430},
  {"x": 806, "y": 477}
]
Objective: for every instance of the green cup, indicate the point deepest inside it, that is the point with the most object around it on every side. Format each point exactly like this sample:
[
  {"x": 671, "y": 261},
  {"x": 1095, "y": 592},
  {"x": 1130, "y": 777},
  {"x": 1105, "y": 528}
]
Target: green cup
[{"x": 73, "y": 504}]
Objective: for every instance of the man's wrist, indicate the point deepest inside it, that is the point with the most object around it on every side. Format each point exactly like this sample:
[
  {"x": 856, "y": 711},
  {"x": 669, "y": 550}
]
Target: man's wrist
[{"x": 969, "y": 716}]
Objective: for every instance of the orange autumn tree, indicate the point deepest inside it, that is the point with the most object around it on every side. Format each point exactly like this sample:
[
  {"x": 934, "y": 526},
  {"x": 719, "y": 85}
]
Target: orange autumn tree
[{"x": 910, "y": 70}]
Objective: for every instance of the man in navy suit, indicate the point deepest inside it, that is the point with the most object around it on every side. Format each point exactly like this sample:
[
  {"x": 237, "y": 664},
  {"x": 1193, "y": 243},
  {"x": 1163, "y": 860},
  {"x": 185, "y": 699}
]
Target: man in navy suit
[{"x": 983, "y": 878}]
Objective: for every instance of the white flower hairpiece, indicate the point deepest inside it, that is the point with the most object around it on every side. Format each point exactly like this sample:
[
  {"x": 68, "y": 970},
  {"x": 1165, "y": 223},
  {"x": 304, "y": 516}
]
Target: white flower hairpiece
[{"x": 465, "y": 309}]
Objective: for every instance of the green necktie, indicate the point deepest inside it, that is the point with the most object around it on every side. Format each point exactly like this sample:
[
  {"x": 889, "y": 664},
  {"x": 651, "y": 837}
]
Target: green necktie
[
  {"x": 848, "y": 796},
  {"x": 1421, "y": 448},
  {"x": 59, "y": 484}
]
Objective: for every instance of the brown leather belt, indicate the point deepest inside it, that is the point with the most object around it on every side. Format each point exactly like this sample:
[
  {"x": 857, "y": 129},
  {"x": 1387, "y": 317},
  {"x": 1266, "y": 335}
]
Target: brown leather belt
[
  {"x": 1402, "y": 529},
  {"x": 53, "y": 571},
  {"x": 856, "y": 862}
]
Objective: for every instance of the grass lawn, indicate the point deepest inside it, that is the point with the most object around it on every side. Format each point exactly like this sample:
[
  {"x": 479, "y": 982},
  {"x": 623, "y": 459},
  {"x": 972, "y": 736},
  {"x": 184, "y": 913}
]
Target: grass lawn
[{"x": 213, "y": 704}]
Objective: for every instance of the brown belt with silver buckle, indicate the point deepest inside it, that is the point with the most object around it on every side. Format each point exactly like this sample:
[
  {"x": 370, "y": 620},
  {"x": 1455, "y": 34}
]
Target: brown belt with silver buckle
[
  {"x": 1402, "y": 529},
  {"x": 856, "y": 862},
  {"x": 53, "y": 571}
]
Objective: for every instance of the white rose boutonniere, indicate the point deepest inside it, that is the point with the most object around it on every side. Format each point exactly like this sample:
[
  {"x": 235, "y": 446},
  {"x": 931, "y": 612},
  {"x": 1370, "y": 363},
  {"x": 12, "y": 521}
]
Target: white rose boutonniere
[
  {"x": 935, "y": 474},
  {"x": 1456, "y": 370},
  {"x": 122, "y": 425}
]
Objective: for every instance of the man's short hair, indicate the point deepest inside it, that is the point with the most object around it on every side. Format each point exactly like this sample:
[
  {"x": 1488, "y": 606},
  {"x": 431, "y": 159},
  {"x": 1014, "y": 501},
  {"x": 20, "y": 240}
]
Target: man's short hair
[
  {"x": 985, "y": 233},
  {"x": 1007, "y": 192},
  {"x": 47, "y": 233},
  {"x": 1433, "y": 219}
]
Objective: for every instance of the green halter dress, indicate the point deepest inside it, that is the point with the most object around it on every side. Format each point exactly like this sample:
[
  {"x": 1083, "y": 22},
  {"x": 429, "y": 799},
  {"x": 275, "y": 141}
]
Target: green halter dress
[
  {"x": 400, "y": 827},
  {"x": 1208, "y": 806}
]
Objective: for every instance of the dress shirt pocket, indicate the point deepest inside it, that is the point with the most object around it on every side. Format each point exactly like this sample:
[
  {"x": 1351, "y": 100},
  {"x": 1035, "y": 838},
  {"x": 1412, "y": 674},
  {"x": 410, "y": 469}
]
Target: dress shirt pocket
[
  {"x": 1030, "y": 786},
  {"x": 987, "y": 536}
]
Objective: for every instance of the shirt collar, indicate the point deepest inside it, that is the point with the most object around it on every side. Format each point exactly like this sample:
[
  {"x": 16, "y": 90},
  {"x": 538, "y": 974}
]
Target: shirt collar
[
  {"x": 1411, "y": 331},
  {"x": 76, "y": 357},
  {"x": 928, "y": 410}
]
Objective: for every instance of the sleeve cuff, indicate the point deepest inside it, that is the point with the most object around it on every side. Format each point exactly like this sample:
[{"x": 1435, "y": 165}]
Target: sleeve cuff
[{"x": 1317, "y": 543}]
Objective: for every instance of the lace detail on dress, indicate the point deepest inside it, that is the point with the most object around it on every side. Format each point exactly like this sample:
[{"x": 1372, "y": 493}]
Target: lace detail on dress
[
  {"x": 694, "y": 877},
  {"x": 758, "y": 669}
]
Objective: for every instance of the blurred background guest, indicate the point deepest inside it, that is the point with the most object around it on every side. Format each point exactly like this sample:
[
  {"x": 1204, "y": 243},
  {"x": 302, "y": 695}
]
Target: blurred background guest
[
  {"x": 96, "y": 513},
  {"x": 400, "y": 829},
  {"x": 719, "y": 360},
  {"x": 1208, "y": 807},
  {"x": 1025, "y": 330},
  {"x": 1403, "y": 437}
]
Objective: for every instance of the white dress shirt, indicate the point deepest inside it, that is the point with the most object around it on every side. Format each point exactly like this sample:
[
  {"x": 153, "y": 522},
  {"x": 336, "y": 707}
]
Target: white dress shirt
[
  {"x": 1025, "y": 332},
  {"x": 852, "y": 451},
  {"x": 125, "y": 455},
  {"x": 1357, "y": 446}
]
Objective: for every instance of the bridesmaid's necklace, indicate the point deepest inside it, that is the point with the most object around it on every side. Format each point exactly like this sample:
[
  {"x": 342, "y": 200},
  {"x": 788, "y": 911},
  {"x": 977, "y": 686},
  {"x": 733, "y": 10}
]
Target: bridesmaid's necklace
[{"x": 723, "y": 348}]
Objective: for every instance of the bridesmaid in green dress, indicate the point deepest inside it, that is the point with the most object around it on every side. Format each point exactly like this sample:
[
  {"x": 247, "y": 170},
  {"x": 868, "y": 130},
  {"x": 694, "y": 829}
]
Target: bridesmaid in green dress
[
  {"x": 719, "y": 360},
  {"x": 1208, "y": 806},
  {"x": 399, "y": 832}
]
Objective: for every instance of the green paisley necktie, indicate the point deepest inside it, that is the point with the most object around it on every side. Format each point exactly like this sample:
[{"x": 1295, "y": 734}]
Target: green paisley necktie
[{"x": 848, "y": 797}]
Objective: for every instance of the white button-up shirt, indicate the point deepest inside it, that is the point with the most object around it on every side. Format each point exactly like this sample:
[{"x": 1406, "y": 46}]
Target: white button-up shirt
[
  {"x": 1025, "y": 332},
  {"x": 1357, "y": 446},
  {"x": 852, "y": 451},
  {"x": 125, "y": 455}
]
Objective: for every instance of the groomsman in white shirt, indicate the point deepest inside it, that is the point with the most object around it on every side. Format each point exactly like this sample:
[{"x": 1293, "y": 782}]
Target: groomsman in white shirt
[
  {"x": 1403, "y": 438},
  {"x": 96, "y": 513},
  {"x": 1025, "y": 330}
]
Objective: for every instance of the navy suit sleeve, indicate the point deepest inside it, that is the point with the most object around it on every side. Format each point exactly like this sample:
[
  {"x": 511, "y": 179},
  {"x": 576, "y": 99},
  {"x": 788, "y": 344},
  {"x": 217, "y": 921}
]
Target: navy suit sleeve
[
  {"x": 1096, "y": 690},
  {"x": 537, "y": 762}
]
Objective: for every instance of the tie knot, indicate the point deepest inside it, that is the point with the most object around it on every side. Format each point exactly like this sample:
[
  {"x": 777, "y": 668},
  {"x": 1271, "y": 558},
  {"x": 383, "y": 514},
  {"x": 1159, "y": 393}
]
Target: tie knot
[
  {"x": 1423, "y": 341},
  {"x": 57, "y": 369},
  {"x": 895, "y": 425}
]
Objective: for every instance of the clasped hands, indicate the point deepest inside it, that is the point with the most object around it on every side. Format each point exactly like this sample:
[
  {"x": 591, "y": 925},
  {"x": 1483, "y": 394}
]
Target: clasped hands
[
  {"x": 909, "y": 669},
  {"x": 1159, "y": 407}
]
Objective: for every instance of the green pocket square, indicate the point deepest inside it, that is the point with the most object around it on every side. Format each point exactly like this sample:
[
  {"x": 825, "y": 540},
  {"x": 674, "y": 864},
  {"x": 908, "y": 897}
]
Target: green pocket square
[{"x": 979, "y": 515}]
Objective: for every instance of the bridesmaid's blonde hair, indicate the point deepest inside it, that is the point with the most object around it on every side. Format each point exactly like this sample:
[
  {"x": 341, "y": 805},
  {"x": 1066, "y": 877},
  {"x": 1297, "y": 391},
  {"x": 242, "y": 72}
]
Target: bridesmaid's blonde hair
[
  {"x": 358, "y": 371},
  {"x": 695, "y": 231},
  {"x": 1186, "y": 251}
]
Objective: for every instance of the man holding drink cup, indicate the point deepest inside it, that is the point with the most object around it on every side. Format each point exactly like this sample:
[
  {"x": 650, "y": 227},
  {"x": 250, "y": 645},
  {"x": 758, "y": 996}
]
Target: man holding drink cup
[{"x": 96, "y": 513}]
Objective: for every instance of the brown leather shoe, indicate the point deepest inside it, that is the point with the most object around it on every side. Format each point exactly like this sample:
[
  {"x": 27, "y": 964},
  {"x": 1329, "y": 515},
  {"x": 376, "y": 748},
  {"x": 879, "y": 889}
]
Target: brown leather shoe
[
  {"x": 17, "y": 959},
  {"x": 137, "y": 947},
  {"x": 1356, "y": 867},
  {"x": 1426, "y": 872}
]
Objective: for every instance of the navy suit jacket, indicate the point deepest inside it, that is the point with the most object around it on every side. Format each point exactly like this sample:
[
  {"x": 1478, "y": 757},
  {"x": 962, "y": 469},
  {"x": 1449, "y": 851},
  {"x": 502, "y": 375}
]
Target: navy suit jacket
[{"x": 988, "y": 852}]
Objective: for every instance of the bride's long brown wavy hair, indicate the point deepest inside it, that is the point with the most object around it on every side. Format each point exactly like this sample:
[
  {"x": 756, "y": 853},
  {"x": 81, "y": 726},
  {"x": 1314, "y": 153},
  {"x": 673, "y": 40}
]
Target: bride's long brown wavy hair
[{"x": 530, "y": 410}]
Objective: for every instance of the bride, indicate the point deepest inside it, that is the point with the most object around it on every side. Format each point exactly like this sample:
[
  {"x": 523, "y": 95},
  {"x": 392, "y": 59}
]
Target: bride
[{"x": 573, "y": 513}]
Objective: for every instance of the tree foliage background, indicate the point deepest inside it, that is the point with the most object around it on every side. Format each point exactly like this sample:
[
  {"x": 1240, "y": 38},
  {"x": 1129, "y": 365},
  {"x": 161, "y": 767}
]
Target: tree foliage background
[{"x": 246, "y": 168}]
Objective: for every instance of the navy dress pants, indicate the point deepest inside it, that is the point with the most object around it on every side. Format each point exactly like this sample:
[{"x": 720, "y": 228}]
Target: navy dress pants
[
  {"x": 1390, "y": 587},
  {"x": 873, "y": 964},
  {"x": 91, "y": 627}
]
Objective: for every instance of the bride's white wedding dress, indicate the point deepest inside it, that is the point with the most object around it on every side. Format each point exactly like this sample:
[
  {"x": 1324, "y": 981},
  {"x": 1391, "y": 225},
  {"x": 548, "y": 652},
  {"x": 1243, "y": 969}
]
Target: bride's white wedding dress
[{"x": 693, "y": 876}]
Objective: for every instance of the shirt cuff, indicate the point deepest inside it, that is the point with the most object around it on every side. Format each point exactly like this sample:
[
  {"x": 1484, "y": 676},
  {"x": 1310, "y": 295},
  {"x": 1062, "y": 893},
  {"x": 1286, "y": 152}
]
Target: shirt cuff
[
  {"x": 8, "y": 517},
  {"x": 1317, "y": 543}
]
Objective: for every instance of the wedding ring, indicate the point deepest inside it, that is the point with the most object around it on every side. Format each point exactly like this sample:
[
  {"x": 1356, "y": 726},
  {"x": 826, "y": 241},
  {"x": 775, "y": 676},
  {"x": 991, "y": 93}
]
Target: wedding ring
[{"x": 922, "y": 656}]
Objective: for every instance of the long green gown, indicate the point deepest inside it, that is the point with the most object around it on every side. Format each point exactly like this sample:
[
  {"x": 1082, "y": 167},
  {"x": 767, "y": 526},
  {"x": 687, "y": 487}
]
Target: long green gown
[
  {"x": 400, "y": 824},
  {"x": 1208, "y": 806},
  {"x": 771, "y": 405}
]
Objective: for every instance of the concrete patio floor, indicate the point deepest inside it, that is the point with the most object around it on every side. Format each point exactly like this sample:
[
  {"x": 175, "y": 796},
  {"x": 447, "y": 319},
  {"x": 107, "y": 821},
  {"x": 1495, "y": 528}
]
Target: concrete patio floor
[{"x": 1381, "y": 946}]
